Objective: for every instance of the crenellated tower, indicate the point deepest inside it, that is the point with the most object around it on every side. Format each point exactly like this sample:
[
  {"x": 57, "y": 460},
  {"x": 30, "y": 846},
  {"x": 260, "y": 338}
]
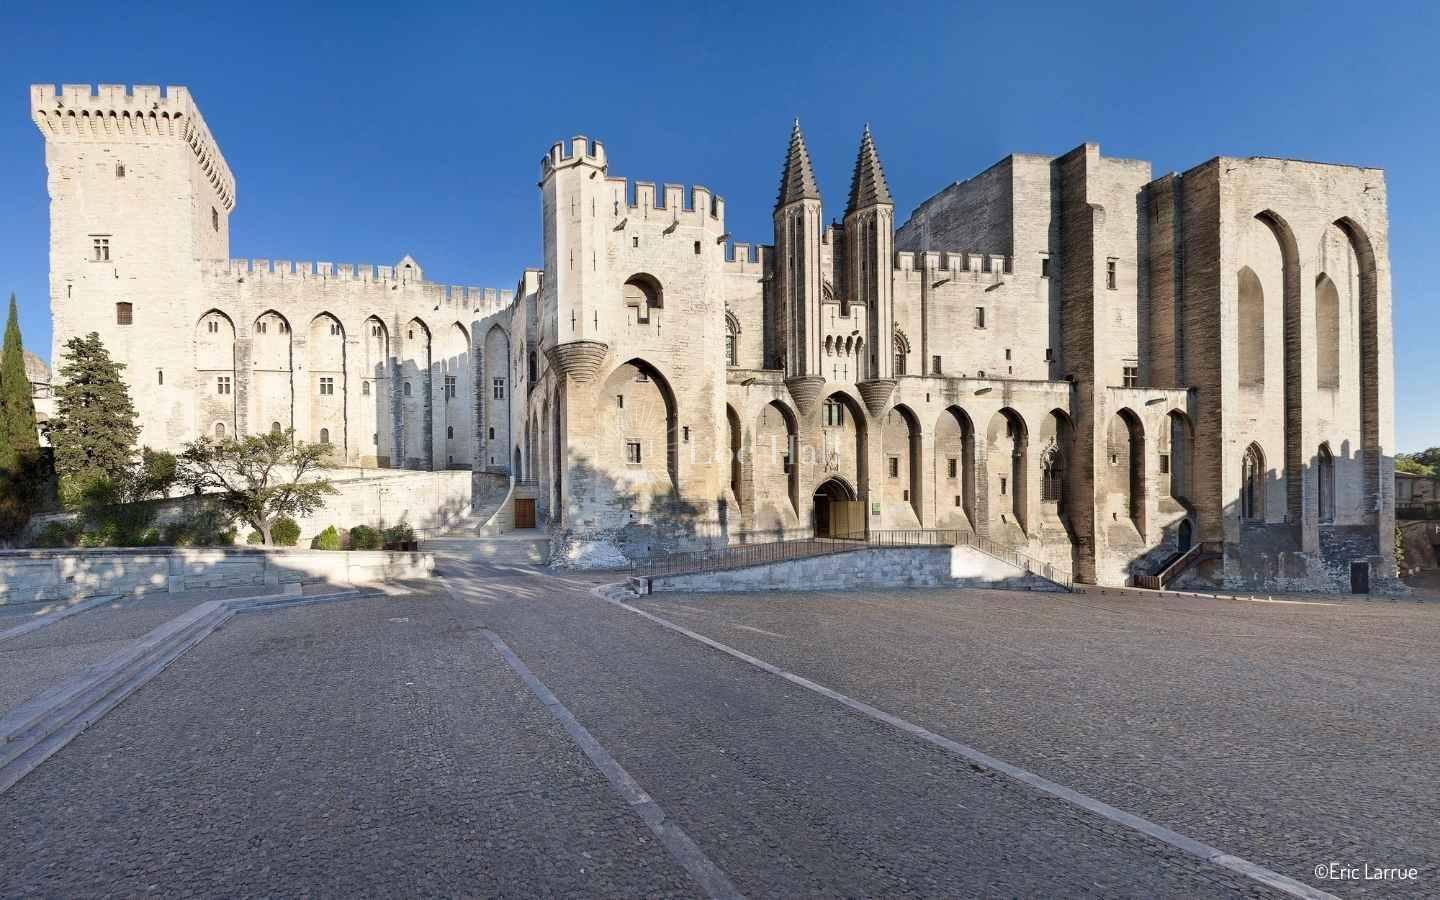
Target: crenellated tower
[
  {"x": 798, "y": 278},
  {"x": 870, "y": 265},
  {"x": 576, "y": 218}
]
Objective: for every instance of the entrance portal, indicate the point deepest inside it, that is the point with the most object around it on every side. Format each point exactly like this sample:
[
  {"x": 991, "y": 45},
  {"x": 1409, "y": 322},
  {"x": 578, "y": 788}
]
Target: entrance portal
[
  {"x": 1185, "y": 536},
  {"x": 838, "y": 512}
]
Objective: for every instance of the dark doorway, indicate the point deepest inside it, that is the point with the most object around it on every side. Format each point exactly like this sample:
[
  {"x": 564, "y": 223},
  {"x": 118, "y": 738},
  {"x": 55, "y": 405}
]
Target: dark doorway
[
  {"x": 1359, "y": 578},
  {"x": 524, "y": 512},
  {"x": 834, "y": 509},
  {"x": 1185, "y": 536}
]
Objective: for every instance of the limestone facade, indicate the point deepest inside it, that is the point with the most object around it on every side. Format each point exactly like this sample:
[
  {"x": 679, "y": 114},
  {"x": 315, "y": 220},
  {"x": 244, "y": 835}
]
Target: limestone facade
[{"x": 1064, "y": 354}]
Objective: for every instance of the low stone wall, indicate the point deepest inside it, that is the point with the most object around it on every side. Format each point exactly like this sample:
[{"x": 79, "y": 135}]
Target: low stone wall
[
  {"x": 869, "y": 568},
  {"x": 30, "y": 576}
]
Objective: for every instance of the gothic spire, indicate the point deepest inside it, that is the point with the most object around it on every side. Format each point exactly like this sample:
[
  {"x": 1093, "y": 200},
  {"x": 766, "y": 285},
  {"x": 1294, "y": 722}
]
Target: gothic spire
[
  {"x": 797, "y": 182},
  {"x": 868, "y": 187}
]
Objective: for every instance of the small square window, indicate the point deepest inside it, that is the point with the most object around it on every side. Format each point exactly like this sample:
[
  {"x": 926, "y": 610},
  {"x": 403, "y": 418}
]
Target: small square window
[
  {"x": 1049, "y": 354},
  {"x": 124, "y": 313},
  {"x": 100, "y": 248},
  {"x": 958, "y": 502},
  {"x": 1132, "y": 376},
  {"x": 632, "y": 452},
  {"x": 905, "y": 495},
  {"x": 119, "y": 170},
  {"x": 1044, "y": 267}
]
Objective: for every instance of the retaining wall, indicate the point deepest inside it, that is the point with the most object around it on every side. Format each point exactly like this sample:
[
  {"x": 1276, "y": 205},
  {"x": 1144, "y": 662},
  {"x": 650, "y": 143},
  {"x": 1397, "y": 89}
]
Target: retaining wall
[
  {"x": 29, "y": 576},
  {"x": 876, "y": 567}
]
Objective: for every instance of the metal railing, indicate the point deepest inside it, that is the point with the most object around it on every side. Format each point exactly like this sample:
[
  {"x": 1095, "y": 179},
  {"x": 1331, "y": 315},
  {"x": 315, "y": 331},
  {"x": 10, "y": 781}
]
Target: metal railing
[
  {"x": 741, "y": 555},
  {"x": 1161, "y": 580}
]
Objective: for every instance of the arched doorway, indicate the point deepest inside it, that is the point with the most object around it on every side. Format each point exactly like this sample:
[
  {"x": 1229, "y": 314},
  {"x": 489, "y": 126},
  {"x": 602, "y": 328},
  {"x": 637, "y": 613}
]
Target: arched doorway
[
  {"x": 837, "y": 510},
  {"x": 1185, "y": 537}
]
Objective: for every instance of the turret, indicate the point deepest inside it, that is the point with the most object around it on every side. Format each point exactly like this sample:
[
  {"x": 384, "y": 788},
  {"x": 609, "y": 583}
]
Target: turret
[
  {"x": 869, "y": 269},
  {"x": 573, "y": 184},
  {"x": 798, "y": 274}
]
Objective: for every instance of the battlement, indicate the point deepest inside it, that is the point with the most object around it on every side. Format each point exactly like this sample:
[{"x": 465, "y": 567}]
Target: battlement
[
  {"x": 640, "y": 196},
  {"x": 115, "y": 113},
  {"x": 954, "y": 262},
  {"x": 486, "y": 300},
  {"x": 744, "y": 258},
  {"x": 576, "y": 151}
]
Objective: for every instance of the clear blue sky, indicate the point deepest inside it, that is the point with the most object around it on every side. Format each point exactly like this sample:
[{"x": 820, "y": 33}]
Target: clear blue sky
[{"x": 359, "y": 134}]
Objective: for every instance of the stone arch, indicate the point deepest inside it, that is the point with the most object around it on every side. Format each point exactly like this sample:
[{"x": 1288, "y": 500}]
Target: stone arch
[
  {"x": 773, "y": 463},
  {"x": 375, "y": 425},
  {"x": 1253, "y": 473},
  {"x": 732, "y": 339},
  {"x": 829, "y": 345},
  {"x": 638, "y": 421},
  {"x": 1250, "y": 328},
  {"x": 1056, "y": 453},
  {"x": 495, "y": 410},
  {"x": 844, "y": 440},
  {"x": 325, "y": 359},
  {"x": 1370, "y": 368},
  {"x": 956, "y": 473},
  {"x": 1327, "y": 333},
  {"x": 643, "y": 293},
  {"x": 215, "y": 360},
  {"x": 272, "y": 379},
  {"x": 417, "y": 413},
  {"x": 1181, "y": 455},
  {"x": 1325, "y": 478},
  {"x": 901, "y": 444},
  {"x": 1292, "y": 351},
  {"x": 1125, "y": 472},
  {"x": 453, "y": 406},
  {"x": 1008, "y": 442}
]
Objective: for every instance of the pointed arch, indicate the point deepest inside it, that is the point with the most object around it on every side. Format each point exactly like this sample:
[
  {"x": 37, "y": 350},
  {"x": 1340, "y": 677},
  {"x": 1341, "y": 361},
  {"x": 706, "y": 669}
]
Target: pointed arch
[
  {"x": 1182, "y": 453},
  {"x": 272, "y": 379},
  {"x": 901, "y": 446},
  {"x": 1292, "y": 349},
  {"x": 1327, "y": 333},
  {"x": 1252, "y": 484},
  {"x": 1370, "y": 368},
  {"x": 1007, "y": 457},
  {"x": 325, "y": 356},
  {"x": 955, "y": 492},
  {"x": 1250, "y": 328},
  {"x": 641, "y": 433},
  {"x": 1325, "y": 478}
]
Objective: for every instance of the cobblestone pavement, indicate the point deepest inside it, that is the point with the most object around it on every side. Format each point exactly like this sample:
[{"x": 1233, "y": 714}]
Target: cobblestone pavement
[
  {"x": 1292, "y": 734},
  {"x": 382, "y": 746}
]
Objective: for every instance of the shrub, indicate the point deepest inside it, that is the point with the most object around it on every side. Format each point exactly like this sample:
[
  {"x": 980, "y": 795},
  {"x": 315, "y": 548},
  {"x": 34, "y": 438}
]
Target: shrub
[
  {"x": 285, "y": 532},
  {"x": 56, "y": 535},
  {"x": 254, "y": 537},
  {"x": 329, "y": 539},
  {"x": 207, "y": 528},
  {"x": 363, "y": 537},
  {"x": 399, "y": 534}
]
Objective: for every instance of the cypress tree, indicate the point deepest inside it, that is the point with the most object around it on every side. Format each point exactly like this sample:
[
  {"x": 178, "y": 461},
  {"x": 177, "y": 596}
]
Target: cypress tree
[
  {"x": 94, "y": 428},
  {"x": 19, "y": 444}
]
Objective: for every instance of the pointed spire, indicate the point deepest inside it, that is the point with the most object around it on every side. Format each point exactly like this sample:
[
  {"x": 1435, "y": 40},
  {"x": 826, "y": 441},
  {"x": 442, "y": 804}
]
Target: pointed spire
[
  {"x": 797, "y": 182},
  {"x": 868, "y": 186}
]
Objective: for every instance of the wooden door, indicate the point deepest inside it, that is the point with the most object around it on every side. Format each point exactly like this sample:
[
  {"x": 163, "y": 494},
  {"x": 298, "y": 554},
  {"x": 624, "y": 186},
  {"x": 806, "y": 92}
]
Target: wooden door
[{"x": 524, "y": 512}]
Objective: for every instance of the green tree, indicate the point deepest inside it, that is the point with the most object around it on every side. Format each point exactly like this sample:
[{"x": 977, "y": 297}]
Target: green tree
[
  {"x": 20, "y": 457},
  {"x": 259, "y": 478},
  {"x": 94, "y": 428},
  {"x": 1414, "y": 464}
]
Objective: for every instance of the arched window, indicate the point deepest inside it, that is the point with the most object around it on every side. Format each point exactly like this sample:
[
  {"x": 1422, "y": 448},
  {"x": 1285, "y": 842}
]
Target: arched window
[
  {"x": 365, "y": 388},
  {"x": 1052, "y": 474},
  {"x": 324, "y": 435},
  {"x": 1251, "y": 328},
  {"x": 275, "y": 428},
  {"x": 407, "y": 388},
  {"x": 1327, "y": 333},
  {"x": 534, "y": 373},
  {"x": 643, "y": 293},
  {"x": 450, "y": 432},
  {"x": 1252, "y": 484},
  {"x": 902, "y": 350},
  {"x": 1325, "y": 468},
  {"x": 220, "y": 431}
]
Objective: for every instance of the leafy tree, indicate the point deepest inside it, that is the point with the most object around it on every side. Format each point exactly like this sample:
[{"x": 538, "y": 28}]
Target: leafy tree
[
  {"x": 1413, "y": 464},
  {"x": 154, "y": 477},
  {"x": 363, "y": 537},
  {"x": 20, "y": 458},
  {"x": 94, "y": 428},
  {"x": 259, "y": 478},
  {"x": 329, "y": 539}
]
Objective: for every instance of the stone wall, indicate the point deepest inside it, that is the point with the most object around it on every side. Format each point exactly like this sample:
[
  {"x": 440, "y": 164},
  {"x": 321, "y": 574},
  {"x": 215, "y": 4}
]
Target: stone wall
[
  {"x": 32, "y": 576},
  {"x": 873, "y": 568}
]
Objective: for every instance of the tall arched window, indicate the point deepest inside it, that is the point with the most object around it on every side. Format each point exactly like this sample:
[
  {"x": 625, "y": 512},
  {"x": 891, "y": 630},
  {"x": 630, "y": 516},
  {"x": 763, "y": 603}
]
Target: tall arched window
[
  {"x": 1252, "y": 485},
  {"x": 1327, "y": 333},
  {"x": 275, "y": 428},
  {"x": 324, "y": 435},
  {"x": 1251, "y": 328},
  {"x": 1052, "y": 474},
  {"x": 220, "y": 431},
  {"x": 1325, "y": 468},
  {"x": 902, "y": 350}
]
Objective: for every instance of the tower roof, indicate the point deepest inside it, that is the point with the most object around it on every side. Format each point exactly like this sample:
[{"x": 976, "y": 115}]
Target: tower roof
[
  {"x": 797, "y": 182},
  {"x": 868, "y": 186}
]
